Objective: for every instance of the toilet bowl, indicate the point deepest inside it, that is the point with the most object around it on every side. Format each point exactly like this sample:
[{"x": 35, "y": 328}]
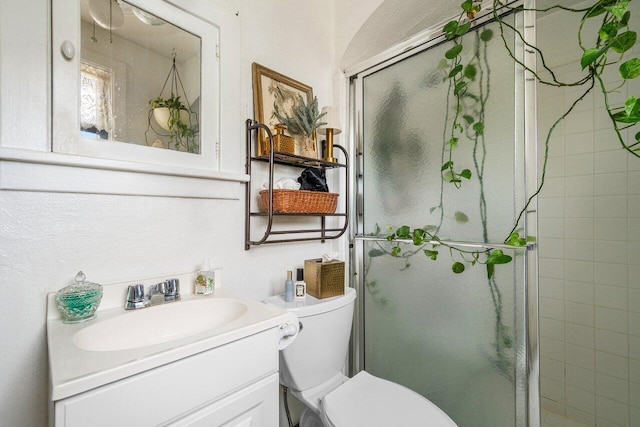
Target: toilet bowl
[{"x": 311, "y": 367}]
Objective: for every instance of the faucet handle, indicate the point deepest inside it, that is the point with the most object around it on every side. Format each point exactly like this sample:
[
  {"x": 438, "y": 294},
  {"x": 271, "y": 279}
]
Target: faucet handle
[
  {"x": 172, "y": 290},
  {"x": 135, "y": 297}
]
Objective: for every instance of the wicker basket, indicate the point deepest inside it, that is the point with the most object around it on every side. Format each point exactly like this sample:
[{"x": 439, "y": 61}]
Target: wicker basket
[
  {"x": 281, "y": 143},
  {"x": 300, "y": 201}
]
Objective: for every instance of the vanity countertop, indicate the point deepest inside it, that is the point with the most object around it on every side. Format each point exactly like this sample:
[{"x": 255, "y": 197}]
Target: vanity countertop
[{"x": 74, "y": 370}]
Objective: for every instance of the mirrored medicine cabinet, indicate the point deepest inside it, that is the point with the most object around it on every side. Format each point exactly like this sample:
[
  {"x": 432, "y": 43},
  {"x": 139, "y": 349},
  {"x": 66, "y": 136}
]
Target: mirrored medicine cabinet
[{"x": 137, "y": 83}]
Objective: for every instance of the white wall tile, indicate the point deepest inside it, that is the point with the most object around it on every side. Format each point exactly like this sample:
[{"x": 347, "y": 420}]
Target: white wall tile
[
  {"x": 579, "y": 164},
  {"x": 551, "y": 389},
  {"x": 611, "y": 161},
  {"x": 612, "y": 365},
  {"x": 579, "y": 249},
  {"x": 612, "y": 342},
  {"x": 580, "y": 399},
  {"x": 551, "y": 308},
  {"x": 551, "y": 288},
  {"x": 551, "y": 248},
  {"x": 551, "y": 207},
  {"x": 551, "y": 267},
  {"x": 611, "y": 206},
  {"x": 611, "y": 229},
  {"x": 579, "y": 356},
  {"x": 582, "y": 185},
  {"x": 634, "y": 229},
  {"x": 612, "y": 410},
  {"x": 604, "y": 138},
  {"x": 578, "y": 228},
  {"x": 634, "y": 183},
  {"x": 555, "y": 167},
  {"x": 633, "y": 206},
  {"x": 634, "y": 300},
  {"x": 634, "y": 347},
  {"x": 612, "y": 320},
  {"x": 584, "y": 419},
  {"x": 551, "y": 227},
  {"x": 613, "y": 388},
  {"x": 634, "y": 324},
  {"x": 581, "y": 124},
  {"x": 579, "y": 207},
  {"x": 551, "y": 405},
  {"x": 579, "y": 271},
  {"x": 611, "y": 275},
  {"x": 552, "y": 369},
  {"x": 550, "y": 328},
  {"x": 611, "y": 297},
  {"x": 634, "y": 395},
  {"x": 581, "y": 314},
  {"x": 580, "y": 335},
  {"x": 610, "y": 184},
  {"x": 554, "y": 187},
  {"x": 579, "y": 292},
  {"x": 634, "y": 276},
  {"x": 635, "y": 416},
  {"x": 634, "y": 369},
  {"x": 610, "y": 251},
  {"x": 581, "y": 378},
  {"x": 552, "y": 349}
]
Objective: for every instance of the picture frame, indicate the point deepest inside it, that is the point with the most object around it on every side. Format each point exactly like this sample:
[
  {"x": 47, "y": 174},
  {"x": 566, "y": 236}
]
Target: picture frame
[{"x": 265, "y": 81}]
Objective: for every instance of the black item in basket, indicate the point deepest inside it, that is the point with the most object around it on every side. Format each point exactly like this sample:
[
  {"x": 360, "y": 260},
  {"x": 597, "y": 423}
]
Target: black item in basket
[{"x": 313, "y": 179}]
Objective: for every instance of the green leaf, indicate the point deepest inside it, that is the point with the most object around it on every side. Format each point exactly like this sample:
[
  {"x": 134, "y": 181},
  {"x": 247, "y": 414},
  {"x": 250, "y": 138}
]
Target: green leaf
[
  {"x": 450, "y": 27},
  {"x": 631, "y": 106},
  {"x": 463, "y": 29},
  {"x": 460, "y": 88},
  {"x": 430, "y": 228},
  {"x": 486, "y": 35},
  {"x": 461, "y": 217},
  {"x": 376, "y": 253},
  {"x": 453, "y": 52},
  {"x": 470, "y": 72},
  {"x": 498, "y": 257},
  {"x": 591, "y": 55},
  {"x": 625, "y": 19},
  {"x": 514, "y": 239},
  {"x": 395, "y": 251},
  {"x": 467, "y": 5},
  {"x": 455, "y": 70},
  {"x": 630, "y": 69},
  {"x": 624, "y": 41},
  {"x": 457, "y": 267},
  {"x": 447, "y": 165},
  {"x": 469, "y": 119},
  {"x": 453, "y": 142},
  {"x": 637, "y": 136},
  {"x": 432, "y": 209},
  {"x": 597, "y": 9},
  {"x": 466, "y": 173},
  {"x": 622, "y": 117},
  {"x": 431, "y": 254},
  {"x": 479, "y": 128},
  {"x": 403, "y": 232},
  {"x": 443, "y": 64},
  {"x": 618, "y": 9},
  {"x": 608, "y": 31},
  {"x": 418, "y": 236},
  {"x": 490, "y": 270}
]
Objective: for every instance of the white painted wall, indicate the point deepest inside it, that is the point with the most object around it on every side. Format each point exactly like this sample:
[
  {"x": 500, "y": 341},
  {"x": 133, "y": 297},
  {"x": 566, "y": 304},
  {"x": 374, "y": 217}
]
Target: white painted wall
[{"x": 45, "y": 238}]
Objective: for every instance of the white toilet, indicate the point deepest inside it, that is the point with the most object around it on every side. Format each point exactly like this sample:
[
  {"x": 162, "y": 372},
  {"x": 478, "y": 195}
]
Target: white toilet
[{"x": 311, "y": 367}]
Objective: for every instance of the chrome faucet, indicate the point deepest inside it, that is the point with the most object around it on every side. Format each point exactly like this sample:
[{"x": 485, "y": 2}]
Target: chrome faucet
[{"x": 160, "y": 293}]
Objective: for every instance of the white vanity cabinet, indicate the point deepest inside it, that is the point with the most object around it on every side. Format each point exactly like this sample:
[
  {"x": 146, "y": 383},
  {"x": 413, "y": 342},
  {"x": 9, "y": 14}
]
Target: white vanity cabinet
[{"x": 235, "y": 384}]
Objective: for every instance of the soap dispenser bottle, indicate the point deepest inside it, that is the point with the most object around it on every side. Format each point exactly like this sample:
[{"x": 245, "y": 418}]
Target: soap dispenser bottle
[
  {"x": 288, "y": 287},
  {"x": 205, "y": 280},
  {"x": 300, "y": 286}
]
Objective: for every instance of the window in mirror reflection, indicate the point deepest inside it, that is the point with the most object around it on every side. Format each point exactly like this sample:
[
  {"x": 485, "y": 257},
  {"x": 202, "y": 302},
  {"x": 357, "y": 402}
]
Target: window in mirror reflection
[{"x": 131, "y": 62}]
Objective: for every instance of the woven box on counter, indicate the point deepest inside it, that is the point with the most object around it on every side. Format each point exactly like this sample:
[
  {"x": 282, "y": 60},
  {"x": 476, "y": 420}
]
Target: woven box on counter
[{"x": 324, "y": 279}]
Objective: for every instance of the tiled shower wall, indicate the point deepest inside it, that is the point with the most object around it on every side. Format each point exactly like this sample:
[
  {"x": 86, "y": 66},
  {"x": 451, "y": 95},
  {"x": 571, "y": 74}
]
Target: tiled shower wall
[{"x": 589, "y": 248}]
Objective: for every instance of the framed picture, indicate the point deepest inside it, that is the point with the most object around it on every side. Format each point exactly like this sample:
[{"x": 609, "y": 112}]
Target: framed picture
[{"x": 271, "y": 88}]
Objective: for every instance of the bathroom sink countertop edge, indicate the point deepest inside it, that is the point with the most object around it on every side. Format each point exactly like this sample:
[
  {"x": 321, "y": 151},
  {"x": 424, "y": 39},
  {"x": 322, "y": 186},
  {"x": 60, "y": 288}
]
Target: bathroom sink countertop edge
[{"x": 74, "y": 370}]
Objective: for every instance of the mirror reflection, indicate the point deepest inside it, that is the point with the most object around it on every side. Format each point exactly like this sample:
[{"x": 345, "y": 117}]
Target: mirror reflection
[{"x": 139, "y": 78}]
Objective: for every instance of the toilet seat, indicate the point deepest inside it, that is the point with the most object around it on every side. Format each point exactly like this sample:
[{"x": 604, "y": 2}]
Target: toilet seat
[{"x": 368, "y": 401}]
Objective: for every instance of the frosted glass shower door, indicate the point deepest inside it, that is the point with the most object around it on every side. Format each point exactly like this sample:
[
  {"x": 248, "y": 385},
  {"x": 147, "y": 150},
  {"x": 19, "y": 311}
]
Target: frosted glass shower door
[{"x": 457, "y": 339}]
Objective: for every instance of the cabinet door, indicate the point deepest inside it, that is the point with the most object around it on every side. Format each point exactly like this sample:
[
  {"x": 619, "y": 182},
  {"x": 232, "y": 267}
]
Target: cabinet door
[{"x": 253, "y": 406}]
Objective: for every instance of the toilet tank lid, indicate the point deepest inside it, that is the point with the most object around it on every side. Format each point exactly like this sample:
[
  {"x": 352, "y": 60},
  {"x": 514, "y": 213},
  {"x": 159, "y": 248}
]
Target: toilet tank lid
[
  {"x": 366, "y": 400},
  {"x": 311, "y": 306}
]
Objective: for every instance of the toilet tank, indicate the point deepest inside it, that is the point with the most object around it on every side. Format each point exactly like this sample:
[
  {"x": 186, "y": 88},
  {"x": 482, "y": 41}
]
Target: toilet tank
[{"x": 319, "y": 351}]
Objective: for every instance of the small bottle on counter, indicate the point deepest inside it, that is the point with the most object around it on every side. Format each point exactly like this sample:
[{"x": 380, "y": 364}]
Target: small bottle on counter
[
  {"x": 288, "y": 287},
  {"x": 300, "y": 286},
  {"x": 205, "y": 280}
]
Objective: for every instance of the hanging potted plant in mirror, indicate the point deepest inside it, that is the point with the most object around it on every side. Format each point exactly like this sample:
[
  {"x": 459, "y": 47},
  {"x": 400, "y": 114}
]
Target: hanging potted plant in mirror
[{"x": 177, "y": 121}]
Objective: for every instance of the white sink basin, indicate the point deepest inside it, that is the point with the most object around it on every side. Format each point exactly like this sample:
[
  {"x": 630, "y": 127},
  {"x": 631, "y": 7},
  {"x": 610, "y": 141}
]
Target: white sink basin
[{"x": 159, "y": 324}]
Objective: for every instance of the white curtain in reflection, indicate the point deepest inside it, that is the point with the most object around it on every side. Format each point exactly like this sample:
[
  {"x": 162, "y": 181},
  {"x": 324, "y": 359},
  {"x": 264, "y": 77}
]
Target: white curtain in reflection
[{"x": 95, "y": 90}]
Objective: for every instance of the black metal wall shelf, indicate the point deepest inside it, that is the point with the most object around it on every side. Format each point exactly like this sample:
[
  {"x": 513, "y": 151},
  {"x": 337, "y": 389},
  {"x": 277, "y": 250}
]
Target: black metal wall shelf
[{"x": 272, "y": 235}]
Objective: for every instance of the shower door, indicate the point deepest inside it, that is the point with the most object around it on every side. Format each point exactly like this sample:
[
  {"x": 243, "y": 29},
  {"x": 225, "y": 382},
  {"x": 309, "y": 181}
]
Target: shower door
[{"x": 458, "y": 338}]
